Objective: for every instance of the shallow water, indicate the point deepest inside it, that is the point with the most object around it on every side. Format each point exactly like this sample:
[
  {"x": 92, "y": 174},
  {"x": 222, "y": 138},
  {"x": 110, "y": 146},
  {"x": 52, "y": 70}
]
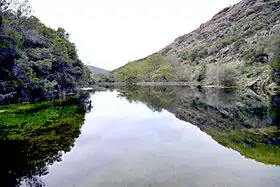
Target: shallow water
[{"x": 123, "y": 142}]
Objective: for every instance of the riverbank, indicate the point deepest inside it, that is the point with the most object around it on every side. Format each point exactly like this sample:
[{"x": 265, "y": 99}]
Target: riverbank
[
  {"x": 149, "y": 84},
  {"x": 268, "y": 88},
  {"x": 12, "y": 98}
]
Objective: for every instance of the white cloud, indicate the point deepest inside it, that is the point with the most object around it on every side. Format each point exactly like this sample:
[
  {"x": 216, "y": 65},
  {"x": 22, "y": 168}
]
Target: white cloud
[{"x": 109, "y": 33}]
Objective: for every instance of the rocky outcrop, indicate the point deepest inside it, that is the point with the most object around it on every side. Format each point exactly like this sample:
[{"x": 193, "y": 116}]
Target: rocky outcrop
[{"x": 247, "y": 20}]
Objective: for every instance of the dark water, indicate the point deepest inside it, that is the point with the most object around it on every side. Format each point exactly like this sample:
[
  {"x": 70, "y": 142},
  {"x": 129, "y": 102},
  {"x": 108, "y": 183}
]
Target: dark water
[{"x": 160, "y": 137}]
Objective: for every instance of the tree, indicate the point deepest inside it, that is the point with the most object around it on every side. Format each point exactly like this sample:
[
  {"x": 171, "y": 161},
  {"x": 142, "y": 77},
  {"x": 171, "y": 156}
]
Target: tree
[
  {"x": 131, "y": 80},
  {"x": 226, "y": 76},
  {"x": 61, "y": 33},
  {"x": 21, "y": 7}
]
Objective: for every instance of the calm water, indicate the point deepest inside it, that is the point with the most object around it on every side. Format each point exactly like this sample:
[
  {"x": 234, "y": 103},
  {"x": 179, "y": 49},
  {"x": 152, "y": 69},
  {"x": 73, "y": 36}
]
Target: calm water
[{"x": 136, "y": 138}]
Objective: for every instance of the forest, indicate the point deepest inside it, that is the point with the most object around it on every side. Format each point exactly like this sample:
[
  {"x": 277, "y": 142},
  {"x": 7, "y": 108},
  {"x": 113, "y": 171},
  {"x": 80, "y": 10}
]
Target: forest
[{"x": 35, "y": 61}]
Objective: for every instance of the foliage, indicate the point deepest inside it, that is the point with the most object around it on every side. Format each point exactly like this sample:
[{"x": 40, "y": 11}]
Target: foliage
[
  {"x": 255, "y": 55},
  {"x": 103, "y": 77},
  {"x": 275, "y": 64},
  {"x": 195, "y": 54},
  {"x": 226, "y": 76},
  {"x": 35, "y": 59},
  {"x": 190, "y": 55},
  {"x": 152, "y": 68}
]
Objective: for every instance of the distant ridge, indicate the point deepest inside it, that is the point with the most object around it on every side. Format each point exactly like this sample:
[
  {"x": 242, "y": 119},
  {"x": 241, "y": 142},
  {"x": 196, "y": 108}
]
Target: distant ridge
[{"x": 94, "y": 69}]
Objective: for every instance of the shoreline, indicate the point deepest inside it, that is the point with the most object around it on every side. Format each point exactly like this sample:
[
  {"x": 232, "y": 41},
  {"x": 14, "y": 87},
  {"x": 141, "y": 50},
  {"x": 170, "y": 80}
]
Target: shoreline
[
  {"x": 159, "y": 84},
  {"x": 271, "y": 89}
]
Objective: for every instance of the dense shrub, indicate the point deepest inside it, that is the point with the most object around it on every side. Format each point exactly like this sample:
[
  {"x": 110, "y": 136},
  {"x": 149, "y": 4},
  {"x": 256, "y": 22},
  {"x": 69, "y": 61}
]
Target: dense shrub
[{"x": 223, "y": 74}]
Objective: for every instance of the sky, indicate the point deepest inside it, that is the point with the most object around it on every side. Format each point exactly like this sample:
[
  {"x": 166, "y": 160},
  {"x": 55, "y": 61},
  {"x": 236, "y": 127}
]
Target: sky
[{"x": 110, "y": 33}]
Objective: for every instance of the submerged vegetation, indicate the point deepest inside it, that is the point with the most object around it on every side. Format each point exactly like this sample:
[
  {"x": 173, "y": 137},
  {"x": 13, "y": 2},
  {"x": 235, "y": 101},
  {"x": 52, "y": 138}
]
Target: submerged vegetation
[
  {"x": 35, "y": 61},
  {"x": 33, "y": 136}
]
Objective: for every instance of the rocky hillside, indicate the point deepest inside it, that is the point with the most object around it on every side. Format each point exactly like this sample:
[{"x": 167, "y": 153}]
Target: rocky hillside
[{"x": 240, "y": 45}]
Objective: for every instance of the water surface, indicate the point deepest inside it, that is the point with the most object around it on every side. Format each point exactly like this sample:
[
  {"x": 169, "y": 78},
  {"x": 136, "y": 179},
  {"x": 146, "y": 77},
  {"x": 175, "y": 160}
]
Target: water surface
[{"x": 136, "y": 138}]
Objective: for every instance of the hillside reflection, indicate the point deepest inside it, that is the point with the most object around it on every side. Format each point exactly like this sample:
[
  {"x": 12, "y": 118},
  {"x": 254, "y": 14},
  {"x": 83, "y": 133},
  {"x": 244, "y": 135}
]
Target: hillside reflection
[{"x": 238, "y": 119}]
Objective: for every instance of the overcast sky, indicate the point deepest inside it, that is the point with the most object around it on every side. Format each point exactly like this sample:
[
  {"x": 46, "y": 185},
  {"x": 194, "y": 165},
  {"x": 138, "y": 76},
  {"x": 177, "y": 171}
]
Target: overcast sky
[{"x": 110, "y": 33}]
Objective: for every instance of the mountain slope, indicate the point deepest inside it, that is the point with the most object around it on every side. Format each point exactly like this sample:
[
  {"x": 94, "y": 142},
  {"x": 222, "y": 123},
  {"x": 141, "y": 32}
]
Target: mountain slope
[
  {"x": 94, "y": 69},
  {"x": 239, "y": 46}
]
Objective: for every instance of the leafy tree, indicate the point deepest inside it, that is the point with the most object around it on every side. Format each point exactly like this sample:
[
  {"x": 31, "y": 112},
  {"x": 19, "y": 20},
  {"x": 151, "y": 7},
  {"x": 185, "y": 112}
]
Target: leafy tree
[
  {"x": 131, "y": 80},
  {"x": 61, "y": 33},
  {"x": 226, "y": 77}
]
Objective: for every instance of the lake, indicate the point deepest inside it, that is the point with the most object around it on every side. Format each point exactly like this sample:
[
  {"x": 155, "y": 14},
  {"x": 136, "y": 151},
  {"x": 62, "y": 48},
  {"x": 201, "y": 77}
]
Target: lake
[{"x": 143, "y": 137}]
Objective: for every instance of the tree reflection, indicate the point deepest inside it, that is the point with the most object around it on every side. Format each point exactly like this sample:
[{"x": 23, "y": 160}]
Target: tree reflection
[
  {"x": 34, "y": 136},
  {"x": 155, "y": 98}
]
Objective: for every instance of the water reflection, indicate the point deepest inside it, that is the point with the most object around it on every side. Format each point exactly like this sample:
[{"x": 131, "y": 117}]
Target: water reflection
[
  {"x": 123, "y": 143},
  {"x": 238, "y": 119},
  {"x": 33, "y": 136}
]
